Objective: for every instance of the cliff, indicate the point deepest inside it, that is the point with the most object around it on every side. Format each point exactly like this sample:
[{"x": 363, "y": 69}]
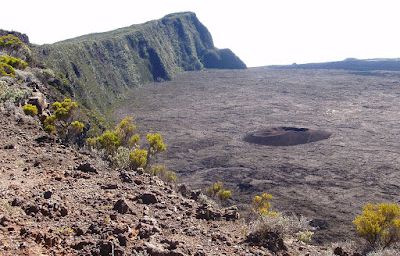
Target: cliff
[{"x": 100, "y": 67}]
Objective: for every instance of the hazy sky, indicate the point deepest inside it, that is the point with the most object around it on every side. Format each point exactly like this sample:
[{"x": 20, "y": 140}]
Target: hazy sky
[{"x": 260, "y": 32}]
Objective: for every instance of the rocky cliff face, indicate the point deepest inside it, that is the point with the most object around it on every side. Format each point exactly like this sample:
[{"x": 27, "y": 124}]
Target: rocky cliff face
[{"x": 102, "y": 66}]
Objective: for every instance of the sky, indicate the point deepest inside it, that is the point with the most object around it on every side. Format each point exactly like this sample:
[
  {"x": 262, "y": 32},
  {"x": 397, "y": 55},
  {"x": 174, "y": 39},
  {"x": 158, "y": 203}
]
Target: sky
[{"x": 260, "y": 32}]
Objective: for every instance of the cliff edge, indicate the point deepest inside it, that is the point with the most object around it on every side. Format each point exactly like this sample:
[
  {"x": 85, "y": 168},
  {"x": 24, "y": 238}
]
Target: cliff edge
[{"x": 101, "y": 66}]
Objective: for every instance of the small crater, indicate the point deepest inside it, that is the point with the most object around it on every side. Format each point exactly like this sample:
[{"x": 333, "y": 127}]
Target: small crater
[{"x": 286, "y": 136}]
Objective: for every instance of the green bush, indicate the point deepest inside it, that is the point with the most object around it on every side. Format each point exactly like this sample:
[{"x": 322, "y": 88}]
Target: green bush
[
  {"x": 124, "y": 136},
  {"x": 134, "y": 140},
  {"x": 65, "y": 109},
  {"x": 262, "y": 205},
  {"x": 62, "y": 123},
  {"x": 30, "y": 110},
  {"x": 379, "y": 224},
  {"x": 125, "y": 130},
  {"x": 13, "y": 62},
  {"x": 121, "y": 135},
  {"x": 76, "y": 127},
  {"x": 217, "y": 190},
  {"x": 163, "y": 173},
  {"x": 213, "y": 190},
  {"x": 49, "y": 120},
  {"x": 11, "y": 42},
  {"x": 156, "y": 143},
  {"x": 12, "y": 93},
  {"x": 224, "y": 195},
  {"x": 12, "y": 45},
  {"x": 6, "y": 70},
  {"x": 109, "y": 141},
  {"x": 138, "y": 158}
]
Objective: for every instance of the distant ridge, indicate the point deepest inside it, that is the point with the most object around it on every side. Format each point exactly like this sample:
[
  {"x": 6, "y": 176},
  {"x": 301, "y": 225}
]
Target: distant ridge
[{"x": 352, "y": 64}]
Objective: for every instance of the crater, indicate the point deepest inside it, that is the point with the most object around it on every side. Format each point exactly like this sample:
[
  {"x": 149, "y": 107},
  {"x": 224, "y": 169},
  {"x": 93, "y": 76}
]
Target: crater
[{"x": 286, "y": 136}]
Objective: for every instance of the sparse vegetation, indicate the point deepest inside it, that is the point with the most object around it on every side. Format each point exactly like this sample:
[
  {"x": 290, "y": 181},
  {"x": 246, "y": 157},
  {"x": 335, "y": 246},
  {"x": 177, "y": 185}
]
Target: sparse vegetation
[
  {"x": 262, "y": 205},
  {"x": 270, "y": 231},
  {"x": 6, "y": 70},
  {"x": 217, "y": 190},
  {"x": 305, "y": 236},
  {"x": 156, "y": 145},
  {"x": 379, "y": 224},
  {"x": 123, "y": 139},
  {"x": 10, "y": 41},
  {"x": 12, "y": 93},
  {"x": 271, "y": 227},
  {"x": 30, "y": 110},
  {"x": 138, "y": 158},
  {"x": 61, "y": 121},
  {"x": 108, "y": 141},
  {"x": 163, "y": 173},
  {"x": 13, "y": 62},
  {"x": 12, "y": 45},
  {"x": 121, "y": 157}
]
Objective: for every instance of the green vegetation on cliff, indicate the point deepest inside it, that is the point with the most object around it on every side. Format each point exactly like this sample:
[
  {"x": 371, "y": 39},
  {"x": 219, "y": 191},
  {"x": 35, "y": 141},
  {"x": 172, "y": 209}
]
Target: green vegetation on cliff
[{"x": 102, "y": 66}]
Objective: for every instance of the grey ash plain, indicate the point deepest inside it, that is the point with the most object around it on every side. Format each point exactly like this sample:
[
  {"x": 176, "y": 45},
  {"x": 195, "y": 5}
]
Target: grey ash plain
[{"x": 205, "y": 115}]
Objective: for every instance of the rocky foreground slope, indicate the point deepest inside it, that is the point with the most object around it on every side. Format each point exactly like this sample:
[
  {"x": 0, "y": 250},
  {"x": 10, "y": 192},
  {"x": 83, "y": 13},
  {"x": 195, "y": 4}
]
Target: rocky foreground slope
[
  {"x": 56, "y": 200},
  {"x": 102, "y": 66}
]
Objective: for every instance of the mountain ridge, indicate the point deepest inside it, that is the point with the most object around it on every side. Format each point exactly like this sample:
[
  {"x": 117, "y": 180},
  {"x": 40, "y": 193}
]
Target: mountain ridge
[
  {"x": 100, "y": 67},
  {"x": 352, "y": 64}
]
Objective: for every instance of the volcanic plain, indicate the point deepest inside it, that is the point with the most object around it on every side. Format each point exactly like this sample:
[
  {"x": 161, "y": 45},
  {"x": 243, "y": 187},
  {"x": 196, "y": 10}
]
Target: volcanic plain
[{"x": 205, "y": 116}]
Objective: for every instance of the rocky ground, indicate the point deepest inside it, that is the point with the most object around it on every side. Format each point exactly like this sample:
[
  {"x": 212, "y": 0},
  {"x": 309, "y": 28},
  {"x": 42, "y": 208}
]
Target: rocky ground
[
  {"x": 56, "y": 200},
  {"x": 205, "y": 115}
]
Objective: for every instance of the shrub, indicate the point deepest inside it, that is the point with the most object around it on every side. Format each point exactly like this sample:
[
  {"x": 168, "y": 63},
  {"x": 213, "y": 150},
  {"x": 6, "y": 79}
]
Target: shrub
[
  {"x": 121, "y": 158},
  {"x": 76, "y": 127},
  {"x": 30, "y": 110},
  {"x": 49, "y": 124},
  {"x": 51, "y": 129},
  {"x": 157, "y": 169},
  {"x": 13, "y": 62},
  {"x": 305, "y": 236},
  {"x": 163, "y": 173},
  {"x": 125, "y": 129},
  {"x": 92, "y": 142},
  {"x": 270, "y": 231},
  {"x": 262, "y": 205},
  {"x": 61, "y": 121},
  {"x": 138, "y": 158},
  {"x": 224, "y": 195},
  {"x": 13, "y": 94},
  {"x": 217, "y": 190},
  {"x": 11, "y": 42},
  {"x": 109, "y": 141},
  {"x": 65, "y": 109},
  {"x": 12, "y": 45},
  {"x": 156, "y": 143},
  {"x": 6, "y": 70},
  {"x": 170, "y": 176},
  {"x": 379, "y": 224},
  {"x": 134, "y": 140},
  {"x": 123, "y": 135}
]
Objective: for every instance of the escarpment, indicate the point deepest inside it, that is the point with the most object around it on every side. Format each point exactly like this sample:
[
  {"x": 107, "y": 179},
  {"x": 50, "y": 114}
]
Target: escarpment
[{"x": 100, "y": 67}]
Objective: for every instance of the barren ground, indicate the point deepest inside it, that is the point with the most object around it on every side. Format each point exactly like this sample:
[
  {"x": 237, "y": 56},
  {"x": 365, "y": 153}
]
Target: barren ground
[{"x": 204, "y": 116}]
